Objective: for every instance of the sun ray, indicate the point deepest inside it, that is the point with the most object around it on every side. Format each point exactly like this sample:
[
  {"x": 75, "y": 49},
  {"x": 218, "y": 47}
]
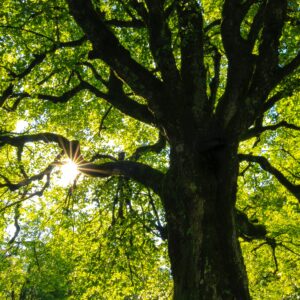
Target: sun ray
[{"x": 69, "y": 172}]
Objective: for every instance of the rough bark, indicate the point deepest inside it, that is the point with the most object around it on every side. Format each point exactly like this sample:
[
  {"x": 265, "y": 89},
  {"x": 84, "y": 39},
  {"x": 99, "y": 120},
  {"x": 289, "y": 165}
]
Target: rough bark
[{"x": 199, "y": 199}]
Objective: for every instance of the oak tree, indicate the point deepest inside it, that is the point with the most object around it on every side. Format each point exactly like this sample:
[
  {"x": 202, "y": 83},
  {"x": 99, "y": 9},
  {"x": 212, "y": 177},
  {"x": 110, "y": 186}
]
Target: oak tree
[{"x": 215, "y": 83}]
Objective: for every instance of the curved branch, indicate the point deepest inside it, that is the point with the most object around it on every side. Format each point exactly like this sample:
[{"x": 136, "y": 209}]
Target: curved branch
[
  {"x": 247, "y": 229},
  {"x": 95, "y": 72},
  {"x": 256, "y": 131},
  {"x": 105, "y": 115},
  {"x": 125, "y": 104},
  {"x": 142, "y": 173},
  {"x": 107, "y": 47},
  {"x": 267, "y": 61},
  {"x": 157, "y": 147},
  {"x": 46, "y": 172},
  {"x": 8, "y": 92},
  {"x": 16, "y": 223},
  {"x": 161, "y": 42},
  {"x": 65, "y": 97},
  {"x": 38, "y": 59},
  {"x": 21, "y": 140},
  {"x": 256, "y": 25},
  {"x": 211, "y": 25},
  {"x": 265, "y": 165},
  {"x": 274, "y": 99},
  {"x": 26, "y": 196},
  {"x": 120, "y": 101}
]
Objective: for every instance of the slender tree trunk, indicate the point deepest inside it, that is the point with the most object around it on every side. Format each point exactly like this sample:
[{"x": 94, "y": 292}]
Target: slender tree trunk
[{"x": 199, "y": 197}]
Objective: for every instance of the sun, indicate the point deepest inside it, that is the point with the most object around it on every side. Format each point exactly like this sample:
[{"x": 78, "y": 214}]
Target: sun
[{"x": 69, "y": 171}]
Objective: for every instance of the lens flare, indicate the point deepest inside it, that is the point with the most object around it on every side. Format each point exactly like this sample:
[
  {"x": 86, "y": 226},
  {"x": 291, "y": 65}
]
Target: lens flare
[{"x": 69, "y": 172}]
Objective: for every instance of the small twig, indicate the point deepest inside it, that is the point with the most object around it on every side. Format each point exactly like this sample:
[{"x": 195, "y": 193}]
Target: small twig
[
  {"x": 289, "y": 249},
  {"x": 101, "y": 125},
  {"x": 16, "y": 223},
  {"x": 27, "y": 30},
  {"x": 157, "y": 148},
  {"x": 242, "y": 173}
]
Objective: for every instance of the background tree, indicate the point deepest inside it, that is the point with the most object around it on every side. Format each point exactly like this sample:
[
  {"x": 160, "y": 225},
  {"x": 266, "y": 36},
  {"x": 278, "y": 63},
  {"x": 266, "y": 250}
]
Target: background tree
[{"x": 181, "y": 108}]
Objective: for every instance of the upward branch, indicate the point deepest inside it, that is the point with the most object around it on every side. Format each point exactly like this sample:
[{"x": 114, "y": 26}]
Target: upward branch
[
  {"x": 267, "y": 61},
  {"x": 248, "y": 86},
  {"x": 229, "y": 108},
  {"x": 107, "y": 47},
  {"x": 160, "y": 42},
  {"x": 232, "y": 16},
  {"x": 193, "y": 71}
]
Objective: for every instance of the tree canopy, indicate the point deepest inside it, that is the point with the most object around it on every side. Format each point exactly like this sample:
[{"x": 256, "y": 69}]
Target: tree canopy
[{"x": 92, "y": 81}]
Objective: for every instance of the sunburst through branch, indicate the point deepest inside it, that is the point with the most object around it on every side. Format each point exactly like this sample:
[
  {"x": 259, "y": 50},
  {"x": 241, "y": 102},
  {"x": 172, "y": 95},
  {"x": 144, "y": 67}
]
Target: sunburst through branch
[{"x": 69, "y": 171}]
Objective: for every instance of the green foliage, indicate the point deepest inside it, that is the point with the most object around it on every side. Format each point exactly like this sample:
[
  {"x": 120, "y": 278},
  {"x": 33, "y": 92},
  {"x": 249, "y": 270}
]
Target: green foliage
[
  {"x": 99, "y": 239},
  {"x": 273, "y": 265}
]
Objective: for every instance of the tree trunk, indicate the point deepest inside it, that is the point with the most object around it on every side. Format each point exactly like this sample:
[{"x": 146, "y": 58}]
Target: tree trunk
[{"x": 199, "y": 197}]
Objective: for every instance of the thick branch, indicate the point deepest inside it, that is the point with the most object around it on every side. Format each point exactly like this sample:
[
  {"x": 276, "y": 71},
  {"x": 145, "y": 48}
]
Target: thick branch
[
  {"x": 256, "y": 131},
  {"x": 256, "y": 25},
  {"x": 21, "y": 140},
  {"x": 247, "y": 229},
  {"x": 267, "y": 62},
  {"x": 232, "y": 16},
  {"x": 142, "y": 173},
  {"x": 273, "y": 23},
  {"x": 118, "y": 100},
  {"x": 160, "y": 42},
  {"x": 235, "y": 108},
  {"x": 125, "y": 104},
  {"x": 265, "y": 165},
  {"x": 274, "y": 99},
  {"x": 193, "y": 71},
  {"x": 6, "y": 94},
  {"x": 108, "y": 48}
]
